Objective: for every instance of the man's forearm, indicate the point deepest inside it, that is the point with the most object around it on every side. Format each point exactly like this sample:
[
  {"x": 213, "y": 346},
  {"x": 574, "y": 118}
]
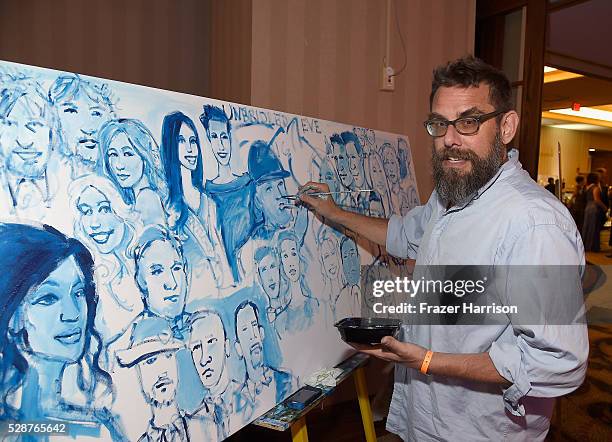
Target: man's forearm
[
  {"x": 374, "y": 229},
  {"x": 476, "y": 367}
]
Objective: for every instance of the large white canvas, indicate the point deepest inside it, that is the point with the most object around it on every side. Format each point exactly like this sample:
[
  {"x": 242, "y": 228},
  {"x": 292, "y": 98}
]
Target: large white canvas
[{"x": 213, "y": 295}]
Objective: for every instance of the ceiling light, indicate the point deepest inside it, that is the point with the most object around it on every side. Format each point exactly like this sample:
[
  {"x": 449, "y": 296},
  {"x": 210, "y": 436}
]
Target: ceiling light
[
  {"x": 553, "y": 75},
  {"x": 577, "y": 126},
  {"x": 591, "y": 149},
  {"x": 585, "y": 112}
]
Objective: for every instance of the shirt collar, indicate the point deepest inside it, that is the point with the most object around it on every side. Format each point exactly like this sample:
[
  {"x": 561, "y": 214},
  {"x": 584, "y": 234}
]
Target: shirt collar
[{"x": 254, "y": 388}]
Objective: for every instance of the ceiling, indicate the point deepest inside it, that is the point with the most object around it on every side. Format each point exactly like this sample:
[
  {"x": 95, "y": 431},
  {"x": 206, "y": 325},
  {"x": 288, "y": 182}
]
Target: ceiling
[{"x": 587, "y": 91}]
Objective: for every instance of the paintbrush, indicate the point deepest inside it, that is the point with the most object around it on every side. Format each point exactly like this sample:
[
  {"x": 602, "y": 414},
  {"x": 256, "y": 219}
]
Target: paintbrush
[{"x": 320, "y": 194}]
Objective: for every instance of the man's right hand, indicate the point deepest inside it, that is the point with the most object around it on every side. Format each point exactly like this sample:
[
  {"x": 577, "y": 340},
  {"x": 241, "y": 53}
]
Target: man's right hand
[
  {"x": 374, "y": 229},
  {"x": 323, "y": 205}
]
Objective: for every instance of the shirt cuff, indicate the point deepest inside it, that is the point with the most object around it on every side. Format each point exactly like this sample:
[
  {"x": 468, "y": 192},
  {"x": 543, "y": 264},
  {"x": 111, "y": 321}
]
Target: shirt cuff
[{"x": 508, "y": 361}]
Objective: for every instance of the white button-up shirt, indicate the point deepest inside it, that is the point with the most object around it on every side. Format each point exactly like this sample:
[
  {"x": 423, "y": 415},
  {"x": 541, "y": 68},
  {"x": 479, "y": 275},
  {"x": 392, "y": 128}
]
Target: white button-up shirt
[{"x": 509, "y": 221}]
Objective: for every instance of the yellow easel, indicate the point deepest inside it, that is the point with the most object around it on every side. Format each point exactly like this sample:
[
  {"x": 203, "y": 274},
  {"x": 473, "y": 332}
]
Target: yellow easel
[{"x": 278, "y": 419}]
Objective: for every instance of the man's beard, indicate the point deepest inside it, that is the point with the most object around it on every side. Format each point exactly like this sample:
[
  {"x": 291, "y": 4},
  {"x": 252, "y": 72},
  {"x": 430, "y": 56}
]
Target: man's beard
[
  {"x": 26, "y": 170},
  {"x": 455, "y": 187}
]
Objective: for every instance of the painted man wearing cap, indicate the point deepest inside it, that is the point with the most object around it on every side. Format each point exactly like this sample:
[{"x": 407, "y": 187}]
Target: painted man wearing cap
[
  {"x": 210, "y": 350},
  {"x": 272, "y": 209},
  {"x": 262, "y": 384},
  {"x": 273, "y": 212},
  {"x": 479, "y": 381},
  {"x": 152, "y": 351}
]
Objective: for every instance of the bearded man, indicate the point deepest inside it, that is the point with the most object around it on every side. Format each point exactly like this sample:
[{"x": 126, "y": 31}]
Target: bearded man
[{"x": 488, "y": 381}]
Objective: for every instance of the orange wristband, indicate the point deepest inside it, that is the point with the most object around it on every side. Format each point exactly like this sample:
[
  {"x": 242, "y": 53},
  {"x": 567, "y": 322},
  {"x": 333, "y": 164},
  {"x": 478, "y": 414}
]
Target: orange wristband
[{"x": 426, "y": 361}]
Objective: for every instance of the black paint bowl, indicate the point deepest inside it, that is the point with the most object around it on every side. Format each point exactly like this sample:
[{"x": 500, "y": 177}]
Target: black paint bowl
[{"x": 367, "y": 330}]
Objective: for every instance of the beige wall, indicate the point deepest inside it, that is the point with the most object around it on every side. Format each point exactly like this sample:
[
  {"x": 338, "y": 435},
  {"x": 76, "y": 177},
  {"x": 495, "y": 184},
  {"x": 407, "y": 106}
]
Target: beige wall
[
  {"x": 323, "y": 58},
  {"x": 574, "y": 152},
  {"x": 159, "y": 43}
]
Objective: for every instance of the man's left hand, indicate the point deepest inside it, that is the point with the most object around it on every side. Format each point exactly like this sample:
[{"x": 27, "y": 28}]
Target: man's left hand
[{"x": 392, "y": 350}]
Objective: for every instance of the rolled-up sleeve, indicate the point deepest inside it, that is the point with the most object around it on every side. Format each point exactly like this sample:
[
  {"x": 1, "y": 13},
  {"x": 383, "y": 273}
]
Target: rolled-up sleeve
[
  {"x": 547, "y": 359},
  {"x": 543, "y": 361},
  {"x": 404, "y": 233}
]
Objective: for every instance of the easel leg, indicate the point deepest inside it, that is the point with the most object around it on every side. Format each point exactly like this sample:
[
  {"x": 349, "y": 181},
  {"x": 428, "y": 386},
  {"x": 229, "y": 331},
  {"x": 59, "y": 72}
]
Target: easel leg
[
  {"x": 364, "y": 405},
  {"x": 299, "y": 433}
]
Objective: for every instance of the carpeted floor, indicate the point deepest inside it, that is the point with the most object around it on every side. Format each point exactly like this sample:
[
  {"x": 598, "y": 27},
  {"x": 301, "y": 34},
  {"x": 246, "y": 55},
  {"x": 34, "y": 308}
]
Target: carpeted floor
[{"x": 586, "y": 414}]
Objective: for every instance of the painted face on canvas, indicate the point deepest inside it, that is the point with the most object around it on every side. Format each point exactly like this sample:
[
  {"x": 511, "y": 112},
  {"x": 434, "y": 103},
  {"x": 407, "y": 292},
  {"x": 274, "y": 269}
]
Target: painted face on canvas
[
  {"x": 290, "y": 259},
  {"x": 98, "y": 220},
  {"x": 376, "y": 208},
  {"x": 269, "y": 275},
  {"x": 158, "y": 377},
  {"x": 163, "y": 272},
  {"x": 391, "y": 165},
  {"x": 377, "y": 173},
  {"x": 350, "y": 261},
  {"x": 328, "y": 176},
  {"x": 54, "y": 314},
  {"x": 208, "y": 349},
  {"x": 25, "y": 140},
  {"x": 124, "y": 161},
  {"x": 81, "y": 119},
  {"x": 269, "y": 195},
  {"x": 331, "y": 260},
  {"x": 342, "y": 165},
  {"x": 355, "y": 164},
  {"x": 188, "y": 148},
  {"x": 220, "y": 141},
  {"x": 250, "y": 338}
]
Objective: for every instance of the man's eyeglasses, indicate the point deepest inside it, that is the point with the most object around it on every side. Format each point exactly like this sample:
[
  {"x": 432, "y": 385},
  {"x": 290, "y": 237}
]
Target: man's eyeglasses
[{"x": 437, "y": 127}]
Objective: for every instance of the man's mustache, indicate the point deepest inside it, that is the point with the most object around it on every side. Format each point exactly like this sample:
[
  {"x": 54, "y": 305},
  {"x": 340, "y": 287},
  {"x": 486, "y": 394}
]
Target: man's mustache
[{"x": 458, "y": 154}]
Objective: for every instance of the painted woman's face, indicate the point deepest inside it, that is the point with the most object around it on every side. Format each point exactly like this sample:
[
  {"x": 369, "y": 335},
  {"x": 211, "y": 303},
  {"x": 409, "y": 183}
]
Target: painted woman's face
[
  {"x": 99, "y": 222},
  {"x": 377, "y": 173},
  {"x": 391, "y": 165},
  {"x": 188, "y": 148},
  {"x": 290, "y": 260},
  {"x": 331, "y": 260},
  {"x": 124, "y": 161},
  {"x": 55, "y": 314},
  {"x": 220, "y": 141}
]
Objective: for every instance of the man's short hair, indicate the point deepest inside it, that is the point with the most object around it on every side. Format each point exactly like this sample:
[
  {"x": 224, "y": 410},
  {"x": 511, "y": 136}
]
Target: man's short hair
[
  {"x": 350, "y": 137},
  {"x": 214, "y": 113},
  {"x": 206, "y": 313},
  {"x": 335, "y": 138},
  {"x": 244, "y": 304},
  {"x": 470, "y": 71}
]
